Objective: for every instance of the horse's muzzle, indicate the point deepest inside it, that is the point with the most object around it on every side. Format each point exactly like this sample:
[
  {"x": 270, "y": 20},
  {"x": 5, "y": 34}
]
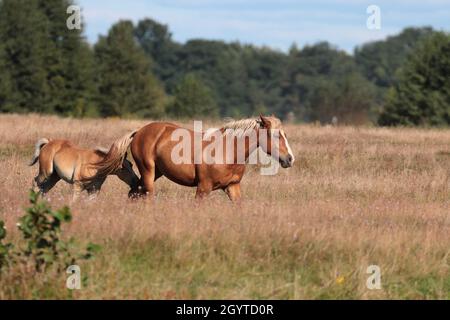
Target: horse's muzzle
[{"x": 287, "y": 162}]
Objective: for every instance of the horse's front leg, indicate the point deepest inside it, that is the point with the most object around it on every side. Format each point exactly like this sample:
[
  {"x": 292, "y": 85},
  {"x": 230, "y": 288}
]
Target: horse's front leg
[
  {"x": 203, "y": 189},
  {"x": 234, "y": 192}
]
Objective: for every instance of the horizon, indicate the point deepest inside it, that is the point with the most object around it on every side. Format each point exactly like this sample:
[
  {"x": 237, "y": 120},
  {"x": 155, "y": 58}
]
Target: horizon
[{"x": 274, "y": 24}]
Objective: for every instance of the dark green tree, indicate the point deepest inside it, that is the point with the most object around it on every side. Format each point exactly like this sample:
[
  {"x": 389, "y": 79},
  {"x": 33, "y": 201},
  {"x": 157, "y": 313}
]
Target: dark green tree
[
  {"x": 125, "y": 81},
  {"x": 6, "y": 104},
  {"x": 45, "y": 67},
  {"x": 242, "y": 79},
  {"x": 380, "y": 61},
  {"x": 23, "y": 42},
  {"x": 69, "y": 63},
  {"x": 231, "y": 80},
  {"x": 156, "y": 40},
  {"x": 193, "y": 99},
  {"x": 422, "y": 94},
  {"x": 321, "y": 82}
]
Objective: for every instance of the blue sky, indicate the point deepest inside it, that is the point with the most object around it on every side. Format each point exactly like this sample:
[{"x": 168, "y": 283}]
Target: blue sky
[{"x": 274, "y": 23}]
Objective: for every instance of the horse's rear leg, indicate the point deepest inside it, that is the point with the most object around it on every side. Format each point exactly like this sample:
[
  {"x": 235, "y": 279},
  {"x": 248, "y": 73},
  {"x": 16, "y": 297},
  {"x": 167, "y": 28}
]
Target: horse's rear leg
[
  {"x": 47, "y": 184},
  {"x": 45, "y": 167}
]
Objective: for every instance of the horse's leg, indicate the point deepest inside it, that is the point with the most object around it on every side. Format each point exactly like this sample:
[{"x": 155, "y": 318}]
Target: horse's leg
[
  {"x": 42, "y": 177},
  {"x": 94, "y": 189},
  {"x": 234, "y": 192},
  {"x": 48, "y": 184},
  {"x": 142, "y": 189},
  {"x": 34, "y": 185},
  {"x": 158, "y": 174},
  {"x": 93, "y": 192},
  {"x": 45, "y": 168},
  {"x": 77, "y": 188},
  {"x": 203, "y": 189},
  {"x": 148, "y": 179}
]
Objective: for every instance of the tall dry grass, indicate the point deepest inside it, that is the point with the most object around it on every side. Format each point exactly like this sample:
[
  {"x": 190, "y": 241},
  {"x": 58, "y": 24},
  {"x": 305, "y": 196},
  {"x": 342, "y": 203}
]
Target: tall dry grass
[{"x": 355, "y": 197}]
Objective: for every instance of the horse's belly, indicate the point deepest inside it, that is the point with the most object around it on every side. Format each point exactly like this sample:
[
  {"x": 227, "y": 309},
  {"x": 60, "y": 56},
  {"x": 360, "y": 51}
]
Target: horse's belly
[
  {"x": 224, "y": 175},
  {"x": 183, "y": 174},
  {"x": 65, "y": 172}
]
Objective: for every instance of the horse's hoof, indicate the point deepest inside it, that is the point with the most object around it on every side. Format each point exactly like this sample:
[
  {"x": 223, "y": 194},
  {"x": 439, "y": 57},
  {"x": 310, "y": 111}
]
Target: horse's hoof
[{"x": 134, "y": 195}]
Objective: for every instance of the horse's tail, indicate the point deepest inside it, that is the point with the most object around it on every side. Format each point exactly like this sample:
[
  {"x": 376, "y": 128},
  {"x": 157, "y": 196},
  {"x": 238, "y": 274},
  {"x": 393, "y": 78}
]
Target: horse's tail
[
  {"x": 37, "y": 150},
  {"x": 115, "y": 156}
]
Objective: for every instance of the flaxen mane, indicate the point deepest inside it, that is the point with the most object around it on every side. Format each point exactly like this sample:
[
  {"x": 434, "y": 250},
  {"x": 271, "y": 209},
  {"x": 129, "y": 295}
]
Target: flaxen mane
[
  {"x": 243, "y": 124},
  {"x": 237, "y": 127},
  {"x": 241, "y": 127}
]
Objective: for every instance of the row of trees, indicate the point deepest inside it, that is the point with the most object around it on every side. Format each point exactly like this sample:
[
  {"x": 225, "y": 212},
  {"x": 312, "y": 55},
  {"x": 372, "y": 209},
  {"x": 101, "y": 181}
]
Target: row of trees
[
  {"x": 421, "y": 96},
  {"x": 139, "y": 70}
]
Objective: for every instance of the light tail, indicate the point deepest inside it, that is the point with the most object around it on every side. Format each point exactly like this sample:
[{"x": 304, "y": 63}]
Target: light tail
[
  {"x": 115, "y": 156},
  {"x": 37, "y": 150}
]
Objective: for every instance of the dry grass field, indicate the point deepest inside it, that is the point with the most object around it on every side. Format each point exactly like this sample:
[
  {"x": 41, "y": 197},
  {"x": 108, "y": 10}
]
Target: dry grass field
[{"x": 355, "y": 197}]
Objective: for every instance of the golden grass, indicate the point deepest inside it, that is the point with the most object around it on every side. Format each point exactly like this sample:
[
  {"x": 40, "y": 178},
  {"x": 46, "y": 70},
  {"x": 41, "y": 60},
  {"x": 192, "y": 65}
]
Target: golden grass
[{"x": 355, "y": 197}]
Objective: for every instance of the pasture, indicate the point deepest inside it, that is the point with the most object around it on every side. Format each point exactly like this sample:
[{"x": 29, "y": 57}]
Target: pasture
[{"x": 356, "y": 196}]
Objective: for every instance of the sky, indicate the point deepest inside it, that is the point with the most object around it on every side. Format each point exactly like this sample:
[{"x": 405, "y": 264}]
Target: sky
[{"x": 274, "y": 23}]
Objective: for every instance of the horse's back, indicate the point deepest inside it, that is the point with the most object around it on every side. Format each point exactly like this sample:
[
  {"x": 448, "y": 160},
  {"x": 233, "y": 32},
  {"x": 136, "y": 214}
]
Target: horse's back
[
  {"x": 67, "y": 159},
  {"x": 146, "y": 139},
  {"x": 49, "y": 150}
]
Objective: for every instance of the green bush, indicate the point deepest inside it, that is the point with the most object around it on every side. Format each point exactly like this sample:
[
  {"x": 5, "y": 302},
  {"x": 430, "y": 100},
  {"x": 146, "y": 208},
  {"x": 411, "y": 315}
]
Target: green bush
[
  {"x": 43, "y": 247},
  {"x": 4, "y": 248}
]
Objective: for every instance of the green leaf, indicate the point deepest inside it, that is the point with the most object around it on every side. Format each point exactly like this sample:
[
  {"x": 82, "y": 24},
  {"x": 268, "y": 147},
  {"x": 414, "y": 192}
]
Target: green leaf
[{"x": 2, "y": 230}]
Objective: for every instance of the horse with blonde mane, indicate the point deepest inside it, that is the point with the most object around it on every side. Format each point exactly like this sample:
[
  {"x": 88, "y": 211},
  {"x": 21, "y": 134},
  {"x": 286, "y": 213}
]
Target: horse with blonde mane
[
  {"x": 61, "y": 159},
  {"x": 153, "y": 148}
]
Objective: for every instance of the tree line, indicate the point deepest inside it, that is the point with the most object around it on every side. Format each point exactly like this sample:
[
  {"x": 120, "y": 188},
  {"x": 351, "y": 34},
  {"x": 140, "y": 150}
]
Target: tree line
[{"x": 139, "y": 70}]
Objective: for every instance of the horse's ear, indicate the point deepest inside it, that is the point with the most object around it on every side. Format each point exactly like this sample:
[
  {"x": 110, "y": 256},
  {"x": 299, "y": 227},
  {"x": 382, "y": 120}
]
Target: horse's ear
[{"x": 265, "y": 123}]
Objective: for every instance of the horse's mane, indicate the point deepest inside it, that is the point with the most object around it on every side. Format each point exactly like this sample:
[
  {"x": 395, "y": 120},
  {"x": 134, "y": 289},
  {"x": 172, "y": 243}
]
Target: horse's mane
[
  {"x": 243, "y": 124},
  {"x": 237, "y": 127}
]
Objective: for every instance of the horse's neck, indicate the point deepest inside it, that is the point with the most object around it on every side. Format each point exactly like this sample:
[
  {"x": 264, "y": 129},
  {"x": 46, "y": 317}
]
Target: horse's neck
[{"x": 250, "y": 144}]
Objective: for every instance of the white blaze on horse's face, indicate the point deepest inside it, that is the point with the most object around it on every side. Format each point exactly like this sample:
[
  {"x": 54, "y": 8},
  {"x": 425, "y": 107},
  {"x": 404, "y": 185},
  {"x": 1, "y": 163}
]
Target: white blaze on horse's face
[
  {"x": 277, "y": 146},
  {"x": 283, "y": 134},
  {"x": 285, "y": 152}
]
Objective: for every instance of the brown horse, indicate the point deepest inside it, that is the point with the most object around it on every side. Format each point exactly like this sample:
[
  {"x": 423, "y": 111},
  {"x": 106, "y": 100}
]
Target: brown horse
[
  {"x": 61, "y": 159},
  {"x": 153, "y": 148}
]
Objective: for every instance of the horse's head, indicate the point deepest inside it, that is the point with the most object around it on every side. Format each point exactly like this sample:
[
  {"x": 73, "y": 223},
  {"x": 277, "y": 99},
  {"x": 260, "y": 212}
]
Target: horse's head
[
  {"x": 274, "y": 130},
  {"x": 126, "y": 173}
]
